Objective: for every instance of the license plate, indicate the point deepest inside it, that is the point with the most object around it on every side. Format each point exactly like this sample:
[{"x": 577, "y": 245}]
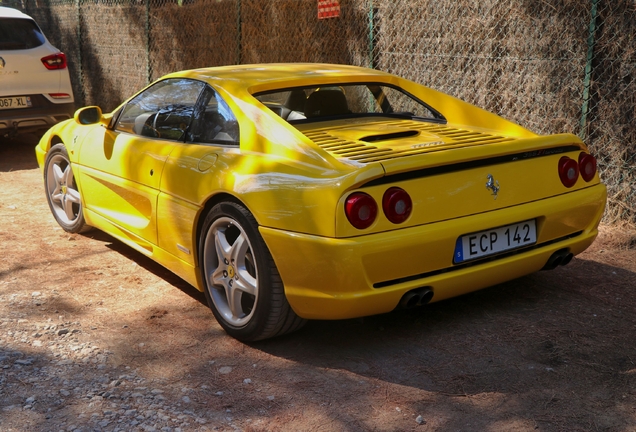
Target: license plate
[
  {"x": 493, "y": 241},
  {"x": 15, "y": 102}
]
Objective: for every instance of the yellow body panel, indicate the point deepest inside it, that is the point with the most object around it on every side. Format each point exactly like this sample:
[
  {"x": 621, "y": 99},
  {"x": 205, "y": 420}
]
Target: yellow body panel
[
  {"x": 334, "y": 278},
  {"x": 153, "y": 193},
  {"x": 121, "y": 173}
]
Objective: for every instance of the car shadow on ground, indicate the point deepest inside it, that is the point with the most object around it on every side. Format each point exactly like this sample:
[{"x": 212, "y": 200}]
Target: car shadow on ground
[
  {"x": 18, "y": 154},
  {"x": 147, "y": 264},
  {"x": 493, "y": 340},
  {"x": 548, "y": 321},
  {"x": 537, "y": 322}
]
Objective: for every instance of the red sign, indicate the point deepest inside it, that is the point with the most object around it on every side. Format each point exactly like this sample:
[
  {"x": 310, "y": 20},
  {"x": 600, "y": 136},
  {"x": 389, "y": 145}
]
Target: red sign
[{"x": 328, "y": 9}]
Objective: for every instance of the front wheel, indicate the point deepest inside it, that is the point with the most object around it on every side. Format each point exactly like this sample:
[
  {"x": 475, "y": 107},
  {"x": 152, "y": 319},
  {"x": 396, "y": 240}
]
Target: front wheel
[
  {"x": 62, "y": 192},
  {"x": 243, "y": 287}
]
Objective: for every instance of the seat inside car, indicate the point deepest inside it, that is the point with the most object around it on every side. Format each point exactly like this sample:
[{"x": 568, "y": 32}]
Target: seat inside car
[
  {"x": 296, "y": 100},
  {"x": 325, "y": 103}
]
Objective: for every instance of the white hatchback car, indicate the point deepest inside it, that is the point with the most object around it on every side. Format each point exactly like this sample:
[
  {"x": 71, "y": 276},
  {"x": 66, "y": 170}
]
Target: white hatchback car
[{"x": 35, "y": 87}]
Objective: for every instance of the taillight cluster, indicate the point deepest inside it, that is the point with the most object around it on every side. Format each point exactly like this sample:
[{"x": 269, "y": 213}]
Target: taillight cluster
[
  {"x": 54, "y": 61},
  {"x": 569, "y": 169},
  {"x": 362, "y": 210}
]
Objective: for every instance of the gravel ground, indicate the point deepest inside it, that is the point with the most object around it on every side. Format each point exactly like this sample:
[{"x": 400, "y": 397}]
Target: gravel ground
[
  {"x": 96, "y": 337},
  {"x": 73, "y": 387}
]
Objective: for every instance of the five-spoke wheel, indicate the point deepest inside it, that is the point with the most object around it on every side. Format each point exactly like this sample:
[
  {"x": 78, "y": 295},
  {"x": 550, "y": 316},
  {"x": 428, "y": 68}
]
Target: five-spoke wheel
[
  {"x": 243, "y": 287},
  {"x": 233, "y": 271},
  {"x": 61, "y": 190}
]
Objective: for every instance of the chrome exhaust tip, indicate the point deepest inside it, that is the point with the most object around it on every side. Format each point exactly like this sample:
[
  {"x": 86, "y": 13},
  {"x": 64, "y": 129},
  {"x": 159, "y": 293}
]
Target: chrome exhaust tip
[
  {"x": 416, "y": 297},
  {"x": 560, "y": 257}
]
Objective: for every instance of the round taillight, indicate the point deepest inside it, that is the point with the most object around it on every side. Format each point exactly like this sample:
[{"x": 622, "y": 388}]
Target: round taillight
[
  {"x": 361, "y": 210},
  {"x": 587, "y": 166},
  {"x": 568, "y": 171},
  {"x": 397, "y": 205}
]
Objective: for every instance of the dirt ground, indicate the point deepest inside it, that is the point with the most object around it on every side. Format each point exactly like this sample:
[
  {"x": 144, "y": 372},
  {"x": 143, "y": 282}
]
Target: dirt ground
[{"x": 554, "y": 351}]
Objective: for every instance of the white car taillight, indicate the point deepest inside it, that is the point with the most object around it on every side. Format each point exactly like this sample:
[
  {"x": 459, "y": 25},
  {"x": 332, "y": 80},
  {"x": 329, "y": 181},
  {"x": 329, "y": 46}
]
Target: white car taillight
[{"x": 54, "y": 61}]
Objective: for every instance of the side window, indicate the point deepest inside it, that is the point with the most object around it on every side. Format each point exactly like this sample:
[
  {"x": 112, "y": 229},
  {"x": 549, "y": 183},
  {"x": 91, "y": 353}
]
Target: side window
[
  {"x": 214, "y": 123},
  {"x": 390, "y": 100},
  {"x": 161, "y": 111}
]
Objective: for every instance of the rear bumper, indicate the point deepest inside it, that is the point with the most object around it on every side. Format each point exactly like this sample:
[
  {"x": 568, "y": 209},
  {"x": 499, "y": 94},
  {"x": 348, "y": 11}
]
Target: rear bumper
[
  {"x": 327, "y": 278},
  {"x": 34, "y": 119}
]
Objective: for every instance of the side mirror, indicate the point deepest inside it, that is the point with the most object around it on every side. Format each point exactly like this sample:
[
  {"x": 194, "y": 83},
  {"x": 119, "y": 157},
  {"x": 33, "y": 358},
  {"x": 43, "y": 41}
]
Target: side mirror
[{"x": 88, "y": 115}]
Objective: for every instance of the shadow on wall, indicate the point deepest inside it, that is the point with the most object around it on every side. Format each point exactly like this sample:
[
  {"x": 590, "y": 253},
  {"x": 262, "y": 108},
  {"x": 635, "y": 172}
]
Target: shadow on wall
[{"x": 115, "y": 49}]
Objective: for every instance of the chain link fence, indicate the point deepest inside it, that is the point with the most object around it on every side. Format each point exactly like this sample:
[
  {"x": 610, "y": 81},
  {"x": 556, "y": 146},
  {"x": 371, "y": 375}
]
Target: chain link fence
[
  {"x": 552, "y": 66},
  {"x": 608, "y": 121}
]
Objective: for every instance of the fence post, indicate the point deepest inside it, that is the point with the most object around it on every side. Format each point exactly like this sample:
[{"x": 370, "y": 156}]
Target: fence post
[
  {"x": 587, "y": 83},
  {"x": 371, "y": 33},
  {"x": 239, "y": 36},
  {"x": 148, "y": 71},
  {"x": 80, "y": 68}
]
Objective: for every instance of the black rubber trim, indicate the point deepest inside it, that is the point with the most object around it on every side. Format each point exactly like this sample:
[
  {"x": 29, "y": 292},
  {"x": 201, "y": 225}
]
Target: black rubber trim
[
  {"x": 427, "y": 172},
  {"x": 389, "y": 136},
  {"x": 472, "y": 263}
]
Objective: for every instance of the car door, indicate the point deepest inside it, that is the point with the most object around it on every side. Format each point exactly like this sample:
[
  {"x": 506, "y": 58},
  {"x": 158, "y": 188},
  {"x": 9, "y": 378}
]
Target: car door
[
  {"x": 121, "y": 167},
  {"x": 194, "y": 170}
]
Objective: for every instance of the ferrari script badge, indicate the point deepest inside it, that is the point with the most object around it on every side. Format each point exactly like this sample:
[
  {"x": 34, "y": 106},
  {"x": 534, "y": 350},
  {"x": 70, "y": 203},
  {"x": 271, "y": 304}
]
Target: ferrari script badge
[{"x": 492, "y": 185}]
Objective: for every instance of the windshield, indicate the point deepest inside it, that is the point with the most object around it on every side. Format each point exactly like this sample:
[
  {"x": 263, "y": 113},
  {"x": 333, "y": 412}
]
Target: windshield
[
  {"x": 345, "y": 100},
  {"x": 19, "y": 34}
]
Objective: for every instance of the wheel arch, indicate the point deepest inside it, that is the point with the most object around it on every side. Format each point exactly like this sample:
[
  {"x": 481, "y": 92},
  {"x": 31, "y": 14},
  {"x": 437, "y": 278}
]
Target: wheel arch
[
  {"x": 53, "y": 140},
  {"x": 207, "y": 207},
  {"x": 278, "y": 317}
]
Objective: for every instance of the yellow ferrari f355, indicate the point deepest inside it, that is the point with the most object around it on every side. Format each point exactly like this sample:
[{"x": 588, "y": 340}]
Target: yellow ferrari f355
[{"x": 288, "y": 192}]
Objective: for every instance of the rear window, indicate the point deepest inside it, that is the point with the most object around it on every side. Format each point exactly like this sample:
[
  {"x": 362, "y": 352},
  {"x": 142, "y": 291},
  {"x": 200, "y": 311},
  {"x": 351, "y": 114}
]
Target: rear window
[
  {"x": 313, "y": 103},
  {"x": 19, "y": 34}
]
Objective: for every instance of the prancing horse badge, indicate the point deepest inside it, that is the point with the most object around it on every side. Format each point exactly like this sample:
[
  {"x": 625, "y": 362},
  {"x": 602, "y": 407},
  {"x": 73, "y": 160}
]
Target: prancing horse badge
[{"x": 492, "y": 185}]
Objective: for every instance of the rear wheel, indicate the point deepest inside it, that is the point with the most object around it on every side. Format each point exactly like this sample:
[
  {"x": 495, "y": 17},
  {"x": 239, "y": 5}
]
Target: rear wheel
[
  {"x": 62, "y": 193},
  {"x": 243, "y": 287}
]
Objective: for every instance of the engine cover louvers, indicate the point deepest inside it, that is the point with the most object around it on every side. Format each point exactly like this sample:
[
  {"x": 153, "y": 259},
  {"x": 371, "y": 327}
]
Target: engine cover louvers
[{"x": 433, "y": 137}]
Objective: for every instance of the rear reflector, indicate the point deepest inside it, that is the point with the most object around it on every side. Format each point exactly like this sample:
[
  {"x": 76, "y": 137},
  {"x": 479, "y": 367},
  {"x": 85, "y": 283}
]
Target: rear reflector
[
  {"x": 60, "y": 95},
  {"x": 54, "y": 61}
]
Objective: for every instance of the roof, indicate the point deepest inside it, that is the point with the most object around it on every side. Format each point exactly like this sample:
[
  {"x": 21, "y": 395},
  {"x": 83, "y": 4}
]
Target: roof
[
  {"x": 271, "y": 73},
  {"x": 7, "y": 12}
]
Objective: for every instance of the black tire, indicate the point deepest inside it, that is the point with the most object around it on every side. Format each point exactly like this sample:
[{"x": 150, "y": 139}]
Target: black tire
[
  {"x": 62, "y": 192},
  {"x": 242, "y": 284}
]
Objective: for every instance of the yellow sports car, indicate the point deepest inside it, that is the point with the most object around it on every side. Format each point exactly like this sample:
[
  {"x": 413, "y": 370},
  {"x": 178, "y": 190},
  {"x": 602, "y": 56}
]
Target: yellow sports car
[{"x": 289, "y": 192}]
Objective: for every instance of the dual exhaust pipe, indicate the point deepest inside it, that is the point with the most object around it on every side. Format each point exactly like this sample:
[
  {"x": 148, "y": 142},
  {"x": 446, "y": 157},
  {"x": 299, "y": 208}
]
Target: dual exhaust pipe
[
  {"x": 416, "y": 297},
  {"x": 560, "y": 257}
]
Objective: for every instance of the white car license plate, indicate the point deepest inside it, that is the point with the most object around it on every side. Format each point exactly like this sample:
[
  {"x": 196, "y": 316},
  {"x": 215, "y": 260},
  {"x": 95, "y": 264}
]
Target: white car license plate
[
  {"x": 493, "y": 241},
  {"x": 15, "y": 102}
]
